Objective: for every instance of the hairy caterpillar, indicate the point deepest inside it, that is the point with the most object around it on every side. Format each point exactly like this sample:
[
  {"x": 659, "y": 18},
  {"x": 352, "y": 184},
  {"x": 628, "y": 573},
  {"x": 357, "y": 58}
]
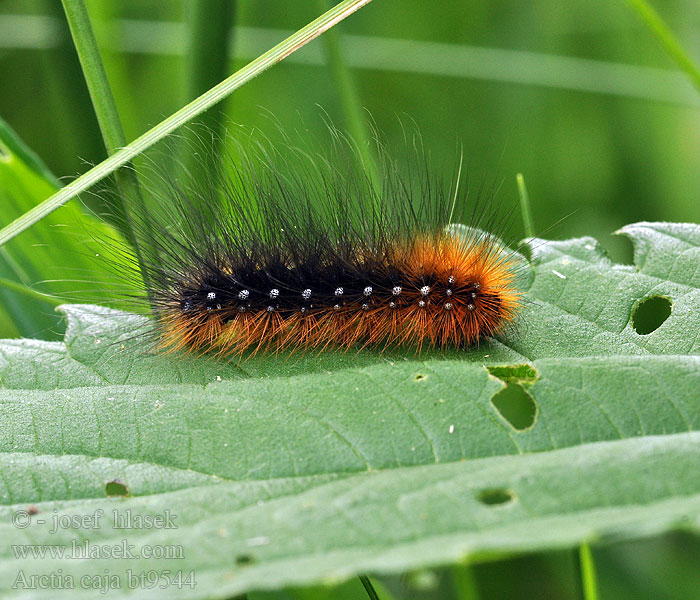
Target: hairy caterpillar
[{"x": 283, "y": 249}]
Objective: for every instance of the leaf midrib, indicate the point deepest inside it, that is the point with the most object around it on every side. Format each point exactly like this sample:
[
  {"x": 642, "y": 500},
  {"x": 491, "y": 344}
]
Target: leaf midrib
[{"x": 337, "y": 474}]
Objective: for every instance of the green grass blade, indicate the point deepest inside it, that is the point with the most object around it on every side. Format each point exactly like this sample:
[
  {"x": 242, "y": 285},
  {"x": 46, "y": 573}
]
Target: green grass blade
[
  {"x": 369, "y": 588},
  {"x": 668, "y": 40},
  {"x": 105, "y": 111},
  {"x": 588, "y": 576},
  {"x": 209, "y": 28},
  {"x": 525, "y": 206},
  {"x": 464, "y": 582},
  {"x": 29, "y": 292},
  {"x": 185, "y": 114},
  {"x": 209, "y": 32},
  {"x": 95, "y": 76},
  {"x": 355, "y": 120}
]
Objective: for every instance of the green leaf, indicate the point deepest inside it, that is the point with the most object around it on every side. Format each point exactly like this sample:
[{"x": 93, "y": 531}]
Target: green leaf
[
  {"x": 284, "y": 471},
  {"x": 42, "y": 255}
]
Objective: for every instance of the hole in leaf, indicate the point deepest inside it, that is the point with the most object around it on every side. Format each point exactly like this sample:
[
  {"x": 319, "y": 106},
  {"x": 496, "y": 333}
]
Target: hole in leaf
[
  {"x": 516, "y": 406},
  {"x": 245, "y": 559},
  {"x": 621, "y": 249},
  {"x": 495, "y": 496},
  {"x": 116, "y": 488},
  {"x": 419, "y": 377},
  {"x": 650, "y": 314},
  {"x": 515, "y": 373}
]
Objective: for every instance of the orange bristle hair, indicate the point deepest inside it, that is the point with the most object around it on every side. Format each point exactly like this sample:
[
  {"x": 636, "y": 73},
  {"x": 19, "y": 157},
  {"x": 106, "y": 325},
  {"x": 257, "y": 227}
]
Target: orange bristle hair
[{"x": 287, "y": 253}]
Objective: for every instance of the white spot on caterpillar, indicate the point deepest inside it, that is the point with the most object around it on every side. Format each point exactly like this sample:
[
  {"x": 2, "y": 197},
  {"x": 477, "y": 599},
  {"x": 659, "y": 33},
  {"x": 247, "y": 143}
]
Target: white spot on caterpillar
[
  {"x": 274, "y": 292},
  {"x": 421, "y": 303},
  {"x": 367, "y": 291},
  {"x": 336, "y": 307},
  {"x": 365, "y": 307},
  {"x": 306, "y": 294},
  {"x": 211, "y": 296},
  {"x": 425, "y": 290},
  {"x": 243, "y": 294},
  {"x": 396, "y": 290},
  {"x": 392, "y": 304},
  {"x": 558, "y": 274},
  {"x": 448, "y": 306},
  {"x": 270, "y": 309},
  {"x": 303, "y": 310},
  {"x": 471, "y": 306},
  {"x": 241, "y": 309},
  {"x": 339, "y": 291},
  {"x": 477, "y": 285},
  {"x": 450, "y": 280},
  {"x": 186, "y": 306},
  {"x": 218, "y": 307}
]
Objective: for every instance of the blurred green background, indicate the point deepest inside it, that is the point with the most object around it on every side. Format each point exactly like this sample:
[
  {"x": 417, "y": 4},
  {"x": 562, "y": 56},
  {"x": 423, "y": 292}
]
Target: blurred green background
[{"x": 577, "y": 96}]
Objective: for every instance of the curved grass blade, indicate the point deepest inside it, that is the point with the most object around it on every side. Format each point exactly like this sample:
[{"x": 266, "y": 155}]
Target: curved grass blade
[
  {"x": 273, "y": 56},
  {"x": 106, "y": 112},
  {"x": 668, "y": 40}
]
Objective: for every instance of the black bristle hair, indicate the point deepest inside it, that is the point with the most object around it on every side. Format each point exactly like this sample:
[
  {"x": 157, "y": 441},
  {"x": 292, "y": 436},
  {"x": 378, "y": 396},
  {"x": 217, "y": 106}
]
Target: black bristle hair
[{"x": 282, "y": 228}]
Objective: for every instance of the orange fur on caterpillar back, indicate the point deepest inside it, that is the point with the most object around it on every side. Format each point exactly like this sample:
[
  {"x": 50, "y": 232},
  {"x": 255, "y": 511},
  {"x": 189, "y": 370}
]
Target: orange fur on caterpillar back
[{"x": 280, "y": 256}]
